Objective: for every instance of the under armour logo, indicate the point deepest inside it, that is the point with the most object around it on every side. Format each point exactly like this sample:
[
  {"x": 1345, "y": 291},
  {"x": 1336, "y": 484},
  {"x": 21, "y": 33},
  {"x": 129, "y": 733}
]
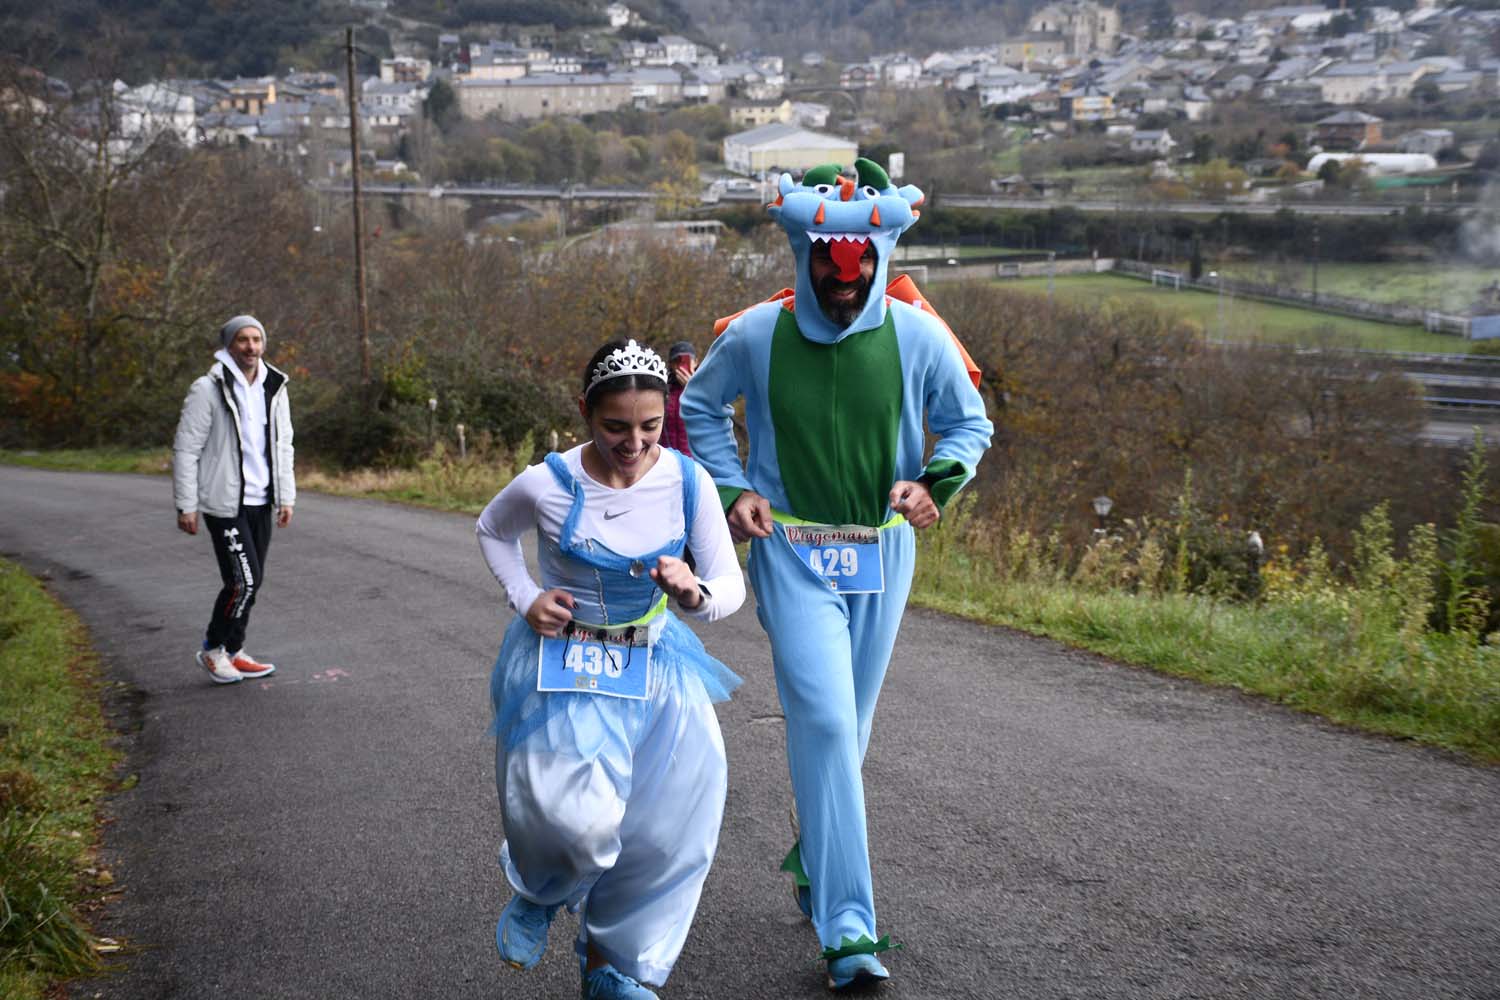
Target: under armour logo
[{"x": 231, "y": 535}]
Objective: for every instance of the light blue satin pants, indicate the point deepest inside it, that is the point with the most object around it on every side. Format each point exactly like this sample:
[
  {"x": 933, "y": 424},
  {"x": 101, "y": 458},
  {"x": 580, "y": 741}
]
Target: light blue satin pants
[
  {"x": 830, "y": 653},
  {"x": 627, "y": 833}
]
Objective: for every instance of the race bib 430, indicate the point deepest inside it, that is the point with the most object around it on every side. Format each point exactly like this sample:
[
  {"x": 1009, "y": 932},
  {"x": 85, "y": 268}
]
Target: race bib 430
[
  {"x": 589, "y": 666},
  {"x": 847, "y": 556}
]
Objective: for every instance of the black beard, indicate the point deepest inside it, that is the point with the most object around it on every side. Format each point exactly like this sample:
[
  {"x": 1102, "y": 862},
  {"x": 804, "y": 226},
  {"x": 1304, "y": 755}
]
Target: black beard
[{"x": 842, "y": 315}]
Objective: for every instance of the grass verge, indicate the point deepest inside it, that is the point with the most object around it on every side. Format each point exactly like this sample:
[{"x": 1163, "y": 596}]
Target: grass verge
[
  {"x": 440, "y": 482},
  {"x": 1359, "y": 657},
  {"x": 55, "y": 767},
  {"x": 148, "y": 460}
]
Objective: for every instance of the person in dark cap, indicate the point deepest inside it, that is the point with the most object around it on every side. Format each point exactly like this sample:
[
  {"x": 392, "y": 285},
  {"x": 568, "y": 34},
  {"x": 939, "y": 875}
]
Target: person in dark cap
[
  {"x": 232, "y": 462},
  {"x": 682, "y": 361}
]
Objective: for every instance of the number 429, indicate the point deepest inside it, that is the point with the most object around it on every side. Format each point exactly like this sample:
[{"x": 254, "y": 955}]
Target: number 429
[{"x": 834, "y": 561}]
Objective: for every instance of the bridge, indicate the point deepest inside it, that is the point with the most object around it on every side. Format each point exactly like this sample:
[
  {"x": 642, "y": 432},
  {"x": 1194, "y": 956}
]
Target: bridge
[{"x": 544, "y": 195}]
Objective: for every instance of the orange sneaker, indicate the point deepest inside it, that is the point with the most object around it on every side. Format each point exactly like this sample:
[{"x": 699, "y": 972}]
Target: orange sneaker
[{"x": 249, "y": 666}]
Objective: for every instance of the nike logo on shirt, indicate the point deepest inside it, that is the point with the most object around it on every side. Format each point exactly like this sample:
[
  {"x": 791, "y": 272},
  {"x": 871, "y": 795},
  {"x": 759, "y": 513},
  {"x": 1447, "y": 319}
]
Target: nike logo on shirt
[{"x": 611, "y": 515}]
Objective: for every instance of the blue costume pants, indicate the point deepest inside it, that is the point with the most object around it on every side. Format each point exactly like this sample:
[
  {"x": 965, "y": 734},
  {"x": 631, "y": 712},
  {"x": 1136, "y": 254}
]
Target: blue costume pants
[
  {"x": 615, "y": 805},
  {"x": 830, "y": 653}
]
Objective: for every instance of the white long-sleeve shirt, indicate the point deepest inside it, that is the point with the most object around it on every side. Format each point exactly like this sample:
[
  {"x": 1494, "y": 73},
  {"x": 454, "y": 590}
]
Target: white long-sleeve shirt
[{"x": 638, "y": 519}]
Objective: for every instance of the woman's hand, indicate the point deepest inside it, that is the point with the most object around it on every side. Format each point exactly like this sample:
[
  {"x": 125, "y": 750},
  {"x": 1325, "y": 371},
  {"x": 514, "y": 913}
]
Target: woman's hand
[
  {"x": 550, "y": 612},
  {"x": 677, "y": 579}
]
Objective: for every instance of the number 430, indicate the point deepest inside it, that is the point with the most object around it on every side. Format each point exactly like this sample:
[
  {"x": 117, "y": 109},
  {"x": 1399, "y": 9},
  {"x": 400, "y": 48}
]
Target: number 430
[{"x": 587, "y": 658}]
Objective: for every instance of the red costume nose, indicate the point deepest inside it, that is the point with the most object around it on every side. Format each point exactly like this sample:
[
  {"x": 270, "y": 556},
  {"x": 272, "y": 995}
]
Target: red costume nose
[{"x": 846, "y": 255}]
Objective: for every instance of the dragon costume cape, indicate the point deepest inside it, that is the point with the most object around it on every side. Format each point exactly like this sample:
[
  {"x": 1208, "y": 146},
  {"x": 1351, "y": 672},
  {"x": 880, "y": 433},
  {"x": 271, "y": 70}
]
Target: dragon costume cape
[{"x": 836, "y": 414}]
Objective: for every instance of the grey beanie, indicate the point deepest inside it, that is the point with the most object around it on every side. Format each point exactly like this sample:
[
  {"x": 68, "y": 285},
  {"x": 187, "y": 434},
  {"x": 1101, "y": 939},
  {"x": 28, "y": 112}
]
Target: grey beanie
[{"x": 235, "y": 325}]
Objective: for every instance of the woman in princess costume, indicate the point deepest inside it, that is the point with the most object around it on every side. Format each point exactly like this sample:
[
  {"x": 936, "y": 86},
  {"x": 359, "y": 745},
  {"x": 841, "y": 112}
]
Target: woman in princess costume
[{"x": 609, "y": 763}]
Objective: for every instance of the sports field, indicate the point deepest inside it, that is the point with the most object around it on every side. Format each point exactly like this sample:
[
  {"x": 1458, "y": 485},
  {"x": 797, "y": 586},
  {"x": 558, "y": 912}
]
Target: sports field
[
  {"x": 1438, "y": 286},
  {"x": 1232, "y": 318}
]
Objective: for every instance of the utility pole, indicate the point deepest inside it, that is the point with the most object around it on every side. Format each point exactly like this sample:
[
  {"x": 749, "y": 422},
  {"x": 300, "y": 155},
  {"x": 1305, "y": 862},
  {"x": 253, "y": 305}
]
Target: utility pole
[
  {"x": 361, "y": 305},
  {"x": 1316, "y": 241}
]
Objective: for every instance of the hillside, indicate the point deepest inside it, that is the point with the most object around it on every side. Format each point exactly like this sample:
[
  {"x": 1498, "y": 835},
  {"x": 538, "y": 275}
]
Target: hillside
[{"x": 137, "y": 40}]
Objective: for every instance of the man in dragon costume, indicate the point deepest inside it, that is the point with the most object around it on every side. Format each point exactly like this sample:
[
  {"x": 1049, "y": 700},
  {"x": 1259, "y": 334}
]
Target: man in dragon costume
[{"x": 836, "y": 379}]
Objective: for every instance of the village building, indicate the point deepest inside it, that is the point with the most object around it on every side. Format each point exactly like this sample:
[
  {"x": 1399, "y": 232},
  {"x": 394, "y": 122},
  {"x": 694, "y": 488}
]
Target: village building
[
  {"x": 1347, "y": 130},
  {"x": 1086, "y": 29},
  {"x": 1157, "y": 142},
  {"x": 544, "y": 95},
  {"x": 405, "y": 69},
  {"x": 749, "y": 114},
  {"x": 779, "y": 146},
  {"x": 1431, "y": 141}
]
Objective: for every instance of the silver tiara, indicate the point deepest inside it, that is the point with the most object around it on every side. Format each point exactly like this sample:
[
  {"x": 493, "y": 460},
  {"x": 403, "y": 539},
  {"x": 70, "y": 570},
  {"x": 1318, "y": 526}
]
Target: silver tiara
[{"x": 632, "y": 359}]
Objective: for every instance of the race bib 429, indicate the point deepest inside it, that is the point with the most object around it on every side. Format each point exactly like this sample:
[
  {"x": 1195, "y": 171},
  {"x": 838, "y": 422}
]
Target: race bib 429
[{"x": 846, "y": 556}]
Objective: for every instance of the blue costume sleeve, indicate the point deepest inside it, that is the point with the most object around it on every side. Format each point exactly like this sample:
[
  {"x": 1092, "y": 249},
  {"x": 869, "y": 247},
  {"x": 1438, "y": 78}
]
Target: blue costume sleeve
[{"x": 708, "y": 411}]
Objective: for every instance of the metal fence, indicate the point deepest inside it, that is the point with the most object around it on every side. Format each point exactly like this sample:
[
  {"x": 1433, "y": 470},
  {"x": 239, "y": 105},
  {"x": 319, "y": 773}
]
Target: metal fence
[{"x": 1341, "y": 305}]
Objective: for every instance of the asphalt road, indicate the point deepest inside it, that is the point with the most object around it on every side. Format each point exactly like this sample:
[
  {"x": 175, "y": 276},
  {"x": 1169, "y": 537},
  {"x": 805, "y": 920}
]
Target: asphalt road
[{"x": 1045, "y": 823}]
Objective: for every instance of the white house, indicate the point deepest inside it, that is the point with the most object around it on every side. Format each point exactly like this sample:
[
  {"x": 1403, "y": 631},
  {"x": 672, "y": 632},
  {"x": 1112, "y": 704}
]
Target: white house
[
  {"x": 1008, "y": 87},
  {"x": 405, "y": 69},
  {"x": 1351, "y": 82},
  {"x": 149, "y": 110},
  {"x": 400, "y": 99},
  {"x": 1431, "y": 141},
  {"x": 1158, "y": 142},
  {"x": 672, "y": 49}
]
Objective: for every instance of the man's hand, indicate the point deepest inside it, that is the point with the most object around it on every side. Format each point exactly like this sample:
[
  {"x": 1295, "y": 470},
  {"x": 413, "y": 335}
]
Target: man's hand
[
  {"x": 283, "y": 516},
  {"x": 750, "y": 517},
  {"x": 673, "y": 576},
  {"x": 550, "y": 612},
  {"x": 915, "y": 501},
  {"x": 188, "y": 522}
]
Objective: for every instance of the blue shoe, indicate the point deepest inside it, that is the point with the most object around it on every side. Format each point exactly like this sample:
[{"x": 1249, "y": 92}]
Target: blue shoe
[
  {"x": 855, "y": 971},
  {"x": 521, "y": 933},
  {"x": 804, "y": 899},
  {"x": 609, "y": 983}
]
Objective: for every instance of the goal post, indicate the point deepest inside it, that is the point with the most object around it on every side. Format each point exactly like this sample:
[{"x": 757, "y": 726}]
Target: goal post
[{"x": 1163, "y": 276}]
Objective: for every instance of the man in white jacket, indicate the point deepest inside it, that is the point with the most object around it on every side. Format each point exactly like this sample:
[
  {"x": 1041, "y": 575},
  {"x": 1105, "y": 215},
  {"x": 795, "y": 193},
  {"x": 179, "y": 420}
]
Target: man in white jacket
[{"x": 232, "y": 462}]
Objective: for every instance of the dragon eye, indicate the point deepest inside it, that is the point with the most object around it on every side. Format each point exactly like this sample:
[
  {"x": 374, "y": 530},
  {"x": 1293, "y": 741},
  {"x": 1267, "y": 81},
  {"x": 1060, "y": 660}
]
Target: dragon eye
[
  {"x": 869, "y": 191},
  {"x": 824, "y": 189}
]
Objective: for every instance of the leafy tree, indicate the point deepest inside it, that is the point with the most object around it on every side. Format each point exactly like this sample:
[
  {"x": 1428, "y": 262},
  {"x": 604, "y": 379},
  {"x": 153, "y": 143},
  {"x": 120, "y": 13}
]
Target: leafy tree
[
  {"x": 441, "y": 106},
  {"x": 1203, "y": 147},
  {"x": 1338, "y": 26},
  {"x": 1216, "y": 179},
  {"x": 1427, "y": 95},
  {"x": 1489, "y": 156}
]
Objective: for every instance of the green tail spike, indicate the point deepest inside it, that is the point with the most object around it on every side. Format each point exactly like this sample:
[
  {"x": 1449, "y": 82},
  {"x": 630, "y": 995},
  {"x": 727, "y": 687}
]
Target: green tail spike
[
  {"x": 864, "y": 946},
  {"x": 793, "y": 863}
]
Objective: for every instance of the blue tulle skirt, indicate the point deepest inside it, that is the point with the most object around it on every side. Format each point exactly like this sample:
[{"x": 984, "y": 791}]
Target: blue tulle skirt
[{"x": 590, "y": 726}]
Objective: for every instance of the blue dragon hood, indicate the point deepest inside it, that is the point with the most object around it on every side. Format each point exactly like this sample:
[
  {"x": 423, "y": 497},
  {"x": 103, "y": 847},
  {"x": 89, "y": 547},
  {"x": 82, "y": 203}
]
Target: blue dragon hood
[{"x": 825, "y": 206}]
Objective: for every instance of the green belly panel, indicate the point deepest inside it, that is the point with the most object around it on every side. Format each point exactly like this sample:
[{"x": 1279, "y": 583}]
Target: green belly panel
[{"x": 836, "y": 409}]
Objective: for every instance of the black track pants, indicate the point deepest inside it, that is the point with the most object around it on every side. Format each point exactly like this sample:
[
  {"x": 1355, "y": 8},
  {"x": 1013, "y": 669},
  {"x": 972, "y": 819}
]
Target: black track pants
[{"x": 240, "y": 543}]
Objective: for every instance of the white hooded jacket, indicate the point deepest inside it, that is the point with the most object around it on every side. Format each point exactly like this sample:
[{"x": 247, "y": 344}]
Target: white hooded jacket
[{"x": 207, "y": 470}]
